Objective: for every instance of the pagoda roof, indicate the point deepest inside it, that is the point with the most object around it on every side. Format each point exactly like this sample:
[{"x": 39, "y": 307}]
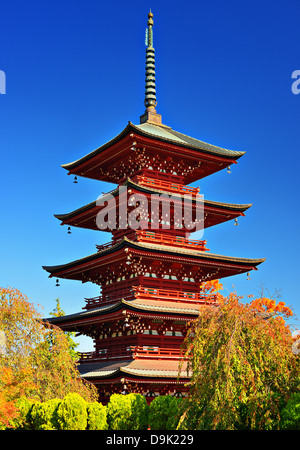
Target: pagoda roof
[
  {"x": 239, "y": 208},
  {"x": 142, "y": 368},
  {"x": 161, "y": 133},
  {"x": 149, "y": 307},
  {"x": 94, "y": 261}
]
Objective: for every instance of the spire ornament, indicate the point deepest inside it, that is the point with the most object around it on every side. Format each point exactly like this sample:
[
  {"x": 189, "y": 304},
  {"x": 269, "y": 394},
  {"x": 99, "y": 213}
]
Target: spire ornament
[{"x": 150, "y": 87}]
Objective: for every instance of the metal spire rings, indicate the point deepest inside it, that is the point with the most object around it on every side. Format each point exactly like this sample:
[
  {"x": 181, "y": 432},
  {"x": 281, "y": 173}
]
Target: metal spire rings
[{"x": 150, "y": 90}]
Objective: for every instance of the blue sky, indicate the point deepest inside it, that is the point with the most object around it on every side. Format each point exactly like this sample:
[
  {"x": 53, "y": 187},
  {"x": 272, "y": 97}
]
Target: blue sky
[{"x": 75, "y": 77}]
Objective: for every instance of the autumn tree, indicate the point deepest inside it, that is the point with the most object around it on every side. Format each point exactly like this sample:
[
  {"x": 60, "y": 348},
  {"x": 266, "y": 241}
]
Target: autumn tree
[
  {"x": 35, "y": 360},
  {"x": 59, "y": 312},
  {"x": 242, "y": 367}
]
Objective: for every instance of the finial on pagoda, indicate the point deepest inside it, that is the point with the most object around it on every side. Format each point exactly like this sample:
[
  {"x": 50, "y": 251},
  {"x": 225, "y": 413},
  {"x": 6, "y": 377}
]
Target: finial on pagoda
[{"x": 150, "y": 114}]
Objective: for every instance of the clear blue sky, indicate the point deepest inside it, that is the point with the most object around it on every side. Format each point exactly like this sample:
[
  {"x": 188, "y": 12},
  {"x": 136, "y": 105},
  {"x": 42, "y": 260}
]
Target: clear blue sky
[{"x": 75, "y": 77}]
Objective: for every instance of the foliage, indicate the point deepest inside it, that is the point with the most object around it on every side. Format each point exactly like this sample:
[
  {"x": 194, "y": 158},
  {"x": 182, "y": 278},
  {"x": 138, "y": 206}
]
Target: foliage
[
  {"x": 241, "y": 365},
  {"x": 97, "y": 416},
  {"x": 35, "y": 359},
  {"x": 59, "y": 312},
  {"x": 163, "y": 412},
  {"x": 127, "y": 412},
  {"x": 23, "y": 420},
  {"x": 290, "y": 414},
  {"x": 43, "y": 415},
  {"x": 11, "y": 388},
  {"x": 72, "y": 413}
]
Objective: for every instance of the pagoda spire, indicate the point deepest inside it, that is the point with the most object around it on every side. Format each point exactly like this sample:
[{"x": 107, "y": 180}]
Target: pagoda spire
[{"x": 150, "y": 102}]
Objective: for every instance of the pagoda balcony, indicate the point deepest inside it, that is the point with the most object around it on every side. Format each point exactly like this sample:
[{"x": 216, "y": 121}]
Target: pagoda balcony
[
  {"x": 105, "y": 300},
  {"x": 157, "y": 353},
  {"x": 160, "y": 239},
  {"x": 172, "y": 295},
  {"x": 132, "y": 352},
  {"x": 105, "y": 354},
  {"x": 148, "y": 293},
  {"x": 174, "y": 241},
  {"x": 168, "y": 186}
]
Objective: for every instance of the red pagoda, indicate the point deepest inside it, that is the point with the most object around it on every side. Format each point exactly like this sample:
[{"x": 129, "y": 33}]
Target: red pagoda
[{"x": 150, "y": 273}]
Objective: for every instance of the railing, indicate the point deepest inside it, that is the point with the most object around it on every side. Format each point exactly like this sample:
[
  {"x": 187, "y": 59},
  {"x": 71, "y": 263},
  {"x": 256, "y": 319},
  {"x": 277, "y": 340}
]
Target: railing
[
  {"x": 157, "y": 353},
  {"x": 175, "y": 241},
  {"x": 135, "y": 352},
  {"x": 169, "y": 294},
  {"x": 149, "y": 293},
  {"x": 159, "y": 238},
  {"x": 105, "y": 246},
  {"x": 167, "y": 185},
  {"x": 106, "y": 354},
  {"x": 103, "y": 300}
]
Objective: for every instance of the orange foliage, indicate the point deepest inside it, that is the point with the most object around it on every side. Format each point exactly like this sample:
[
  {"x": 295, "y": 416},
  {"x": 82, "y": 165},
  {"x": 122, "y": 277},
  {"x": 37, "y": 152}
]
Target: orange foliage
[
  {"x": 269, "y": 306},
  {"x": 211, "y": 286}
]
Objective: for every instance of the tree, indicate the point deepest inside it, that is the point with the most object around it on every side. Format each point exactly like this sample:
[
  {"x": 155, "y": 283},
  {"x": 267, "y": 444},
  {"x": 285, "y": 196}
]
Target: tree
[
  {"x": 97, "y": 416},
  {"x": 163, "y": 412},
  {"x": 127, "y": 412},
  {"x": 241, "y": 363},
  {"x": 72, "y": 413},
  {"x": 58, "y": 312},
  {"x": 35, "y": 360}
]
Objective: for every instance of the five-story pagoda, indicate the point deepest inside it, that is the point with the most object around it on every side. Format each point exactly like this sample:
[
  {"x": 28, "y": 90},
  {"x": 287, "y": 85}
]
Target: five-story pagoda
[{"x": 151, "y": 272}]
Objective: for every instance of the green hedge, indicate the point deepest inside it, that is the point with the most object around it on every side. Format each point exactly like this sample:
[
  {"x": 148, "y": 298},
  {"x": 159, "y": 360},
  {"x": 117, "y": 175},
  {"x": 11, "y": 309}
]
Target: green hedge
[
  {"x": 164, "y": 413},
  {"x": 127, "y": 412},
  {"x": 123, "y": 412},
  {"x": 70, "y": 413}
]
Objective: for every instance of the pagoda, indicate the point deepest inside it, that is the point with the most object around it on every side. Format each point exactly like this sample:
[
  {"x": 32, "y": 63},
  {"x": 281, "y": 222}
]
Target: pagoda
[{"x": 150, "y": 273}]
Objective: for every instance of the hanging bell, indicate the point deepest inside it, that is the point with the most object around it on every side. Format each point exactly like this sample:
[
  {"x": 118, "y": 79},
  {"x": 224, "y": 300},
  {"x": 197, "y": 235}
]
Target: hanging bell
[
  {"x": 248, "y": 276},
  {"x": 57, "y": 282},
  {"x": 69, "y": 230},
  {"x": 236, "y": 222},
  {"x": 75, "y": 180},
  {"x": 228, "y": 169}
]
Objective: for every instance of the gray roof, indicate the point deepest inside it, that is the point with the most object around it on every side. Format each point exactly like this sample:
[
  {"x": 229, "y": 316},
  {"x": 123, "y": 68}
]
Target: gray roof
[
  {"x": 167, "y": 133},
  {"x": 163, "y": 133}
]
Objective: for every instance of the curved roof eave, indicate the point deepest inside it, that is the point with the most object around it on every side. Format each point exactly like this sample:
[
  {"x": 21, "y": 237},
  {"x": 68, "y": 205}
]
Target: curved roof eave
[
  {"x": 154, "y": 248},
  {"x": 170, "y": 136}
]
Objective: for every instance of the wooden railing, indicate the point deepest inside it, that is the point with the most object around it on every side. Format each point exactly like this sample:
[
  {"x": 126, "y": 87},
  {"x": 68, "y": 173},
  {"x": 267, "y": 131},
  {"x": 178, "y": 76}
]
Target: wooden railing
[
  {"x": 150, "y": 293},
  {"x": 106, "y": 354},
  {"x": 161, "y": 239},
  {"x": 135, "y": 352},
  {"x": 156, "y": 352},
  {"x": 167, "y": 186},
  {"x": 175, "y": 241},
  {"x": 170, "y": 294},
  {"x": 103, "y": 300}
]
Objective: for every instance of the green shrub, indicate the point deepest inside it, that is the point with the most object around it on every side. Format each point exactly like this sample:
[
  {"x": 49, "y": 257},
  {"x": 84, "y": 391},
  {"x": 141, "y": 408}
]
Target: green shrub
[
  {"x": 290, "y": 414},
  {"x": 44, "y": 415},
  {"x": 164, "y": 413},
  {"x": 23, "y": 421},
  {"x": 97, "y": 415},
  {"x": 127, "y": 412},
  {"x": 72, "y": 413}
]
